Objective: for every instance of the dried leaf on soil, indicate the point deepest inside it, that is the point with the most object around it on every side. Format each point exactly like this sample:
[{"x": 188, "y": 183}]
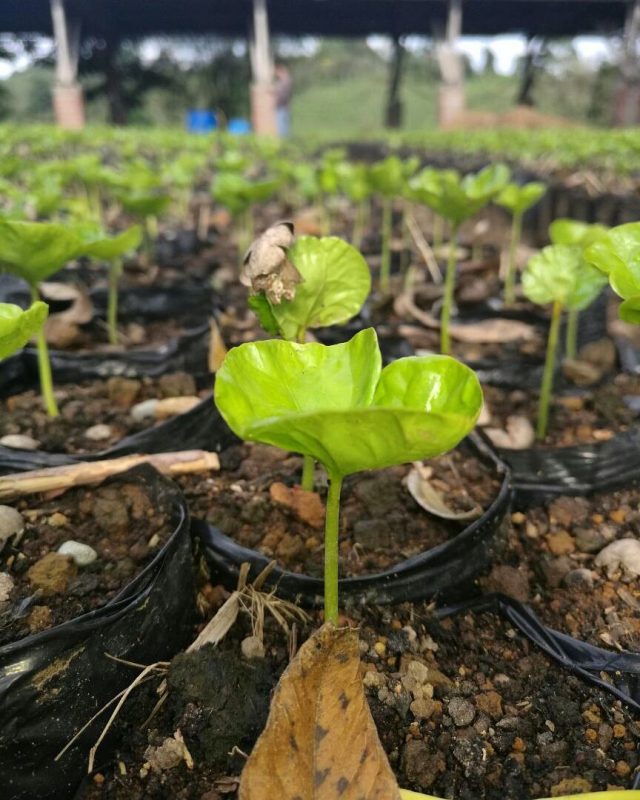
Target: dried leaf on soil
[
  {"x": 429, "y": 498},
  {"x": 318, "y": 708}
]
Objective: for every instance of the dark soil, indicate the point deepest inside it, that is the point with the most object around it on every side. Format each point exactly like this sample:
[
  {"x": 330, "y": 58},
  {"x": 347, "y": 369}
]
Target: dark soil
[
  {"x": 84, "y": 405},
  {"x": 593, "y": 415},
  {"x": 381, "y": 524},
  {"x": 123, "y": 524}
]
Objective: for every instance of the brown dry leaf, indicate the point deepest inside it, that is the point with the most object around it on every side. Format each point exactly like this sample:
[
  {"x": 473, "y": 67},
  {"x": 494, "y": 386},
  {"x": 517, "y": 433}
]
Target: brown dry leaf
[
  {"x": 267, "y": 267},
  {"x": 496, "y": 330},
  {"x": 217, "y": 348},
  {"x": 320, "y": 742},
  {"x": 429, "y": 498}
]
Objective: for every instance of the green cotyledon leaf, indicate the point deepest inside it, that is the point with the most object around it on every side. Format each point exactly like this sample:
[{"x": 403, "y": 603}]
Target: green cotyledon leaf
[
  {"x": 18, "y": 326},
  {"x": 559, "y": 273},
  {"x": 617, "y": 255},
  {"x": 336, "y": 281},
  {"x": 36, "y": 250},
  {"x": 336, "y": 404}
]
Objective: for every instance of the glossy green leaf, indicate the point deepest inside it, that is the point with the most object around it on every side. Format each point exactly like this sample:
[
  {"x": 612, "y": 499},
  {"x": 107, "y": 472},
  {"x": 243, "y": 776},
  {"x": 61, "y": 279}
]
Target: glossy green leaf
[
  {"x": 237, "y": 193},
  {"x": 336, "y": 282},
  {"x": 559, "y": 273},
  {"x": 618, "y": 255},
  {"x": 144, "y": 205},
  {"x": 107, "y": 248},
  {"x": 389, "y": 177},
  {"x": 339, "y": 406},
  {"x": 572, "y": 231},
  {"x": 455, "y": 198},
  {"x": 36, "y": 250},
  {"x": 18, "y": 326},
  {"x": 518, "y": 199}
]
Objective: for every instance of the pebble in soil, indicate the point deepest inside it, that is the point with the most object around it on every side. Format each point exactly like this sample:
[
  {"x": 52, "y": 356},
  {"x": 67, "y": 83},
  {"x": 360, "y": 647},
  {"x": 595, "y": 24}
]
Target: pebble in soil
[
  {"x": 93, "y": 415},
  {"x": 77, "y": 552},
  {"x": 254, "y": 500}
]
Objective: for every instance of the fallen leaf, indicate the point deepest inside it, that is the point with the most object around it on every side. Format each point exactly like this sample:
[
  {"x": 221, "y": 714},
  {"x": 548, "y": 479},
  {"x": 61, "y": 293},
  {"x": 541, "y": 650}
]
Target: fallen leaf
[
  {"x": 429, "y": 498},
  {"x": 217, "y": 347},
  {"x": 320, "y": 741},
  {"x": 519, "y": 434},
  {"x": 493, "y": 331}
]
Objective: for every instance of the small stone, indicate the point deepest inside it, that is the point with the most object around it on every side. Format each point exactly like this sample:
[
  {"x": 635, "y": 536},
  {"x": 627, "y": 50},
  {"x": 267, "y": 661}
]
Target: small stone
[
  {"x": 123, "y": 391},
  {"x": 490, "y": 703},
  {"x": 19, "y": 441},
  {"x": 461, "y": 711},
  {"x": 423, "y": 708},
  {"x": 174, "y": 406},
  {"x": 418, "y": 671},
  {"x": 98, "y": 433},
  {"x": 589, "y": 540},
  {"x": 561, "y": 543},
  {"x": 39, "y": 619},
  {"x": 306, "y": 506},
  {"x": 52, "y": 573},
  {"x": 510, "y": 581},
  {"x": 619, "y": 731},
  {"x": 420, "y": 765},
  {"x": 380, "y": 648},
  {"x": 618, "y": 516},
  {"x": 566, "y": 511},
  {"x": 6, "y": 586},
  {"x": 622, "y": 769},
  {"x": 374, "y": 679},
  {"x": 601, "y": 353},
  {"x": 581, "y": 373},
  {"x": 81, "y": 553},
  {"x": 252, "y": 647},
  {"x": 554, "y": 569},
  {"x": 623, "y": 554},
  {"x": 571, "y": 786},
  {"x": 177, "y": 384},
  {"x": 11, "y": 523},
  {"x": 144, "y": 410},
  {"x": 57, "y": 520},
  {"x": 579, "y": 579},
  {"x": 518, "y": 518}
]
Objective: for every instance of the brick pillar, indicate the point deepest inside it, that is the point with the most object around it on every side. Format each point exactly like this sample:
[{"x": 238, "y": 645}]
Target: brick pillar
[
  {"x": 68, "y": 106},
  {"x": 263, "y": 109}
]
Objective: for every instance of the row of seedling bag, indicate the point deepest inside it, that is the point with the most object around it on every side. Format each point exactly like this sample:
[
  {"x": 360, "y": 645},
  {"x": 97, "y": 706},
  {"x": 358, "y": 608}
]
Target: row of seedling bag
[{"x": 337, "y": 406}]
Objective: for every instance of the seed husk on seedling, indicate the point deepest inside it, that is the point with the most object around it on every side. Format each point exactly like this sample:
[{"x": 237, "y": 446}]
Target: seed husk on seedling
[
  {"x": 338, "y": 405},
  {"x": 559, "y": 275}
]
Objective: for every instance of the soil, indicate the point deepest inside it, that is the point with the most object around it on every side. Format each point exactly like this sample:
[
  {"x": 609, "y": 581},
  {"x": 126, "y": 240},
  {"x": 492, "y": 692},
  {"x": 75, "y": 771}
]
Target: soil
[
  {"x": 255, "y": 501},
  {"x": 592, "y": 415},
  {"x": 123, "y": 524},
  {"x": 85, "y": 405}
]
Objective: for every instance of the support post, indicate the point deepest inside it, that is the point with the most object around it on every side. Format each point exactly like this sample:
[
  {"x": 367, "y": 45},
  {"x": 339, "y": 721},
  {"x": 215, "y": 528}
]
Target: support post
[
  {"x": 626, "y": 108},
  {"x": 451, "y": 101},
  {"x": 68, "y": 97},
  {"x": 263, "y": 93},
  {"x": 393, "y": 115}
]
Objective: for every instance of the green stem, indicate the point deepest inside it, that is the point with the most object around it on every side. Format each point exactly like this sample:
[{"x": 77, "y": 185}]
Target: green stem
[
  {"x": 331, "y": 551},
  {"x": 308, "y": 473},
  {"x": 406, "y": 238},
  {"x": 547, "y": 377},
  {"x": 571, "y": 344},
  {"x": 385, "y": 263},
  {"x": 115, "y": 269},
  {"x": 44, "y": 366},
  {"x": 449, "y": 283},
  {"x": 510, "y": 277}
]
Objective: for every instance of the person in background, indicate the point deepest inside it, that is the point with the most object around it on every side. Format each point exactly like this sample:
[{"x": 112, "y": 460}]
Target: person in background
[{"x": 284, "y": 87}]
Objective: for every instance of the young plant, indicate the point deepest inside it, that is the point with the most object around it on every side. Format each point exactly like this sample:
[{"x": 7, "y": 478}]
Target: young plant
[
  {"x": 338, "y": 405},
  {"x": 356, "y": 184},
  {"x": 456, "y": 199},
  {"x": 34, "y": 251},
  {"x": 579, "y": 234},
  {"x": 617, "y": 256},
  {"x": 112, "y": 250},
  {"x": 517, "y": 199},
  {"x": 18, "y": 326},
  {"x": 336, "y": 281},
  {"x": 389, "y": 179},
  {"x": 558, "y": 275}
]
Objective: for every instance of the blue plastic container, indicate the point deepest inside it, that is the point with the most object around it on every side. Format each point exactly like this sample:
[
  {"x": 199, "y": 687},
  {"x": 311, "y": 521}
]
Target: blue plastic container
[
  {"x": 200, "y": 120},
  {"x": 239, "y": 126}
]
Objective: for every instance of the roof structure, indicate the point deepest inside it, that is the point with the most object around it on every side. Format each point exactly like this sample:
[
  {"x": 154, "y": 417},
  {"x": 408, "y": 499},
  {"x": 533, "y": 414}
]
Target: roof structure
[{"x": 350, "y": 18}]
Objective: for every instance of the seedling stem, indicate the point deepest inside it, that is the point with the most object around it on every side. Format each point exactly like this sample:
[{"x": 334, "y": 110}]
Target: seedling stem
[
  {"x": 445, "y": 341},
  {"x": 385, "y": 264},
  {"x": 308, "y": 473},
  {"x": 510, "y": 277},
  {"x": 549, "y": 367},
  {"x": 571, "y": 345},
  {"x": 44, "y": 366},
  {"x": 331, "y": 532}
]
